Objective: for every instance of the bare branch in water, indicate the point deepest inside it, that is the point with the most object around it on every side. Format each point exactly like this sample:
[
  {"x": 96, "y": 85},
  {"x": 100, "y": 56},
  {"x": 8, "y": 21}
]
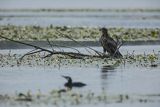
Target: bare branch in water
[
  {"x": 29, "y": 53},
  {"x": 54, "y": 52},
  {"x": 50, "y": 44},
  {"x": 99, "y": 53},
  {"x": 57, "y": 46},
  {"x": 66, "y": 47},
  {"x": 119, "y": 45},
  {"x": 27, "y": 44}
]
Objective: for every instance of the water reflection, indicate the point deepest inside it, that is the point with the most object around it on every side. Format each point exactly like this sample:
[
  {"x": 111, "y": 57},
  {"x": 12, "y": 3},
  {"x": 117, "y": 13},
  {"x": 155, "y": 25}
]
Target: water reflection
[
  {"x": 107, "y": 68},
  {"x": 107, "y": 72}
]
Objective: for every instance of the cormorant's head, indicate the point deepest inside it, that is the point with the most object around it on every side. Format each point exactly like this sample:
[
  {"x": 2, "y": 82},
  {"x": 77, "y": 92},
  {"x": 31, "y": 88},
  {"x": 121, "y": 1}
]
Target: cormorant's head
[
  {"x": 104, "y": 30},
  {"x": 67, "y": 78}
]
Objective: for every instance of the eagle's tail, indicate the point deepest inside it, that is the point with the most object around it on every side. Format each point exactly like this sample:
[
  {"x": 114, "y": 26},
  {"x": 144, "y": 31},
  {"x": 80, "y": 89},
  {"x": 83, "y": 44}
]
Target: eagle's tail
[{"x": 117, "y": 55}]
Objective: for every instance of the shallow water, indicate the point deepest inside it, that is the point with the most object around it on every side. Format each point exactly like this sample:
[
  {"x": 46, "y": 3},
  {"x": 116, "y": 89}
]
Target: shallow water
[
  {"x": 133, "y": 49},
  {"x": 132, "y": 81},
  {"x": 91, "y": 19},
  {"x": 108, "y": 19},
  {"x": 121, "y": 80},
  {"x": 128, "y": 80}
]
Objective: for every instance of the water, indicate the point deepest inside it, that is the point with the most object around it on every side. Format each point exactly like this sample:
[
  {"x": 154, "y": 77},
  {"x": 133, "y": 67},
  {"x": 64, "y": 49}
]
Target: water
[
  {"x": 91, "y": 19},
  {"x": 128, "y": 80},
  {"x": 135, "y": 81},
  {"x": 134, "y": 49},
  {"x": 104, "y": 4},
  {"x": 121, "y": 80}
]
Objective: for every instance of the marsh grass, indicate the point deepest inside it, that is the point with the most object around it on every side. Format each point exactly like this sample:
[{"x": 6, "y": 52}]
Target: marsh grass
[
  {"x": 37, "y": 33},
  {"x": 73, "y": 98},
  {"x": 11, "y": 60}
]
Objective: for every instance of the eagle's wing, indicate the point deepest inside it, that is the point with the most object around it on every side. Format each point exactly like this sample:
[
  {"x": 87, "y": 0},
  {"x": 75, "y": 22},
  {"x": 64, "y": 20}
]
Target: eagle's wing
[
  {"x": 112, "y": 45},
  {"x": 113, "y": 48}
]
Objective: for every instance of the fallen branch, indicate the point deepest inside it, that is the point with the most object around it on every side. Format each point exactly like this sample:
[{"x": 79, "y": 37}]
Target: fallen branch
[
  {"x": 54, "y": 52},
  {"x": 50, "y": 44},
  {"x": 80, "y": 55},
  {"x": 29, "y": 53},
  {"x": 99, "y": 53},
  {"x": 117, "y": 48},
  {"x": 36, "y": 47}
]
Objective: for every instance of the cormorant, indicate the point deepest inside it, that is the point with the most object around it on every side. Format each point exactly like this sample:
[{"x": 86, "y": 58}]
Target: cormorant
[
  {"x": 109, "y": 44},
  {"x": 23, "y": 97},
  {"x": 71, "y": 84}
]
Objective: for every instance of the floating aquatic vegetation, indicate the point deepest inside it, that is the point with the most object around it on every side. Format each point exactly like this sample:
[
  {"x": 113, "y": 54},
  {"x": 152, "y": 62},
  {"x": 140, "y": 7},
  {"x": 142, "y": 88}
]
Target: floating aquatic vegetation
[
  {"x": 11, "y": 60},
  {"x": 73, "y": 98},
  {"x": 37, "y": 33},
  {"x": 56, "y": 61},
  {"x": 149, "y": 60}
]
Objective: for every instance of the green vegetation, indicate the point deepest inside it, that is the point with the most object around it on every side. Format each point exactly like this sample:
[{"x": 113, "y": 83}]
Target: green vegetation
[
  {"x": 56, "y": 61},
  {"x": 71, "y": 98},
  {"x": 37, "y": 33}
]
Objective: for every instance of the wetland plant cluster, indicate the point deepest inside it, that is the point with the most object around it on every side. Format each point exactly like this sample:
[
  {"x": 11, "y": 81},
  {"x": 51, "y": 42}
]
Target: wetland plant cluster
[
  {"x": 71, "y": 98},
  {"x": 142, "y": 60},
  {"x": 37, "y": 33},
  {"x": 57, "y": 61},
  {"x": 12, "y": 60}
]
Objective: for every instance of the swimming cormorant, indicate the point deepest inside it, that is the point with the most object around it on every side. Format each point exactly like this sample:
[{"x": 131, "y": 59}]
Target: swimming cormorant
[
  {"x": 109, "y": 44},
  {"x": 24, "y": 97},
  {"x": 71, "y": 84}
]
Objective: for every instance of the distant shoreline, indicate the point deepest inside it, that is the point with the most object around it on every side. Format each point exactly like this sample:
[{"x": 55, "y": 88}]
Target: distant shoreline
[{"x": 79, "y": 10}]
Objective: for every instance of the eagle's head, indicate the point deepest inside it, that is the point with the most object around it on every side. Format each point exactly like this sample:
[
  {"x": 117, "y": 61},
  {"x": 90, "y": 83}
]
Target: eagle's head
[{"x": 104, "y": 30}]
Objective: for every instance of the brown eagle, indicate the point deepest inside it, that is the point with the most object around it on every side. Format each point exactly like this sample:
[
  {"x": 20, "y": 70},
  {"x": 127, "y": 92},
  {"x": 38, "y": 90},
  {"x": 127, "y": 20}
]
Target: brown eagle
[{"x": 109, "y": 44}]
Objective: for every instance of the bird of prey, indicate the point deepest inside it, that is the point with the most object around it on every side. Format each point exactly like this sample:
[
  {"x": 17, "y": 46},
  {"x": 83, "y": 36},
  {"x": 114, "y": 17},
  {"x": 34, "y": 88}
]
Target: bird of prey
[{"x": 109, "y": 44}]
